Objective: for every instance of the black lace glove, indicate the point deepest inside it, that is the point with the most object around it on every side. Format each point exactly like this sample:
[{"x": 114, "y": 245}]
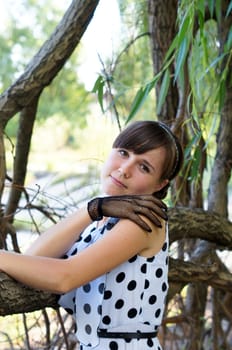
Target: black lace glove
[{"x": 129, "y": 207}]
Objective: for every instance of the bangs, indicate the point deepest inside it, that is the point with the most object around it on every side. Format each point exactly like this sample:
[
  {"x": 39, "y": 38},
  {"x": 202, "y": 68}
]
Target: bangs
[{"x": 140, "y": 139}]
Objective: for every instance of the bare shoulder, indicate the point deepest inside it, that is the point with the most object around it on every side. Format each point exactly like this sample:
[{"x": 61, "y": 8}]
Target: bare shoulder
[
  {"x": 149, "y": 243},
  {"x": 155, "y": 240}
]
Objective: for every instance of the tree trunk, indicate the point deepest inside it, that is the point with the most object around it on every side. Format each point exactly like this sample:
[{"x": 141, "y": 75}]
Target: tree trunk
[{"x": 162, "y": 16}]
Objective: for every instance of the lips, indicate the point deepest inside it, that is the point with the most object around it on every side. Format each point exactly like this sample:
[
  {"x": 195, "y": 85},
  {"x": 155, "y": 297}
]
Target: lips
[{"x": 117, "y": 182}]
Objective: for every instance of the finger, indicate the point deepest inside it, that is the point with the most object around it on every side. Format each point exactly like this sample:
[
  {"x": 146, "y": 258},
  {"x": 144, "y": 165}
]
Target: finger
[
  {"x": 137, "y": 220},
  {"x": 145, "y": 206},
  {"x": 153, "y": 218}
]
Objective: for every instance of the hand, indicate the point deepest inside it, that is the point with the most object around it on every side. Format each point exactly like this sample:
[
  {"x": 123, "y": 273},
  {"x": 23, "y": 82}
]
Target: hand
[{"x": 129, "y": 207}]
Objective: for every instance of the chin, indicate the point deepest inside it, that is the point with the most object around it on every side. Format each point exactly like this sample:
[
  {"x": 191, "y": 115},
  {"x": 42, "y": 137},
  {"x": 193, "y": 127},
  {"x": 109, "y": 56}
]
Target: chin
[{"x": 113, "y": 192}]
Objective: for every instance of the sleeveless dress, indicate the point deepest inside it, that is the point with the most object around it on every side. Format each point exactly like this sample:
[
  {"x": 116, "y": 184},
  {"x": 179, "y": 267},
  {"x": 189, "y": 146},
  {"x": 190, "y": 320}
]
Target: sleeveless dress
[{"x": 129, "y": 298}]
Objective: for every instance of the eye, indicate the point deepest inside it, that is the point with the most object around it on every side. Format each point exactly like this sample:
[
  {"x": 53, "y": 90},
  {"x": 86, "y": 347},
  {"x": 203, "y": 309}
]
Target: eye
[
  {"x": 144, "y": 168},
  {"x": 123, "y": 152}
]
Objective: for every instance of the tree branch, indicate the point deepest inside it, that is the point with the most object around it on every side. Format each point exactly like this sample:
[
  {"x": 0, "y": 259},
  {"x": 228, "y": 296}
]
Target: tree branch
[{"x": 49, "y": 60}]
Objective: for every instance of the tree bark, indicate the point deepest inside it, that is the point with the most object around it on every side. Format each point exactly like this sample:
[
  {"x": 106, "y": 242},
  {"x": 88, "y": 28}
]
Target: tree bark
[{"x": 162, "y": 16}]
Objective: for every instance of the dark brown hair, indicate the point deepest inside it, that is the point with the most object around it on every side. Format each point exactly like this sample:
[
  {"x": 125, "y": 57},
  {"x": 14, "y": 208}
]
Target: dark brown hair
[{"x": 142, "y": 136}]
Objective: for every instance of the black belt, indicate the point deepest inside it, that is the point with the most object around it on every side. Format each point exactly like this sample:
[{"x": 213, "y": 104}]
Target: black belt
[{"x": 102, "y": 333}]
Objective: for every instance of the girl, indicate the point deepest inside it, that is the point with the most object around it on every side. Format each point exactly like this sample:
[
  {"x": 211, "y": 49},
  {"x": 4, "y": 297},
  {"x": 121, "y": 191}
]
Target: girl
[{"x": 114, "y": 277}]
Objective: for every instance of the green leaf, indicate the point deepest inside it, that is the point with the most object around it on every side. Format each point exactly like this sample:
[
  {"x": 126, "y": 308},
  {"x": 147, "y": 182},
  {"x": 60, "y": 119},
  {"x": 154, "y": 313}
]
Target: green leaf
[
  {"x": 163, "y": 90},
  {"x": 98, "y": 88},
  {"x": 211, "y": 7},
  {"x": 196, "y": 163},
  {"x": 181, "y": 56},
  {"x": 221, "y": 94},
  {"x": 218, "y": 10},
  {"x": 184, "y": 28},
  {"x": 97, "y": 83},
  {"x": 172, "y": 48},
  {"x": 191, "y": 144},
  {"x": 228, "y": 43},
  {"x": 141, "y": 97},
  {"x": 229, "y": 9}
]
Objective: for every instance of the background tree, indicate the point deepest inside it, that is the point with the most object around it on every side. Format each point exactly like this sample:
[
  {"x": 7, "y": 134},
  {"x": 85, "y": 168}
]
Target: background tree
[{"x": 191, "y": 61}]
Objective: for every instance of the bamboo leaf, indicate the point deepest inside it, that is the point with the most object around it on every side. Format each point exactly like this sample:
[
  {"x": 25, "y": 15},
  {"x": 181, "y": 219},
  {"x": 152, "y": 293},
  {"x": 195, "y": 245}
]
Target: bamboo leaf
[
  {"x": 211, "y": 7},
  {"x": 184, "y": 28},
  {"x": 196, "y": 163},
  {"x": 228, "y": 43},
  {"x": 172, "y": 48},
  {"x": 218, "y": 10},
  {"x": 98, "y": 89},
  {"x": 221, "y": 94},
  {"x": 229, "y": 9},
  {"x": 181, "y": 56},
  {"x": 163, "y": 90},
  {"x": 141, "y": 97}
]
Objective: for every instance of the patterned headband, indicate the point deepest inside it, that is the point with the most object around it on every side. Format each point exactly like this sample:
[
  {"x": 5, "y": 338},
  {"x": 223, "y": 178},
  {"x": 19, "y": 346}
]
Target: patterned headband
[{"x": 168, "y": 131}]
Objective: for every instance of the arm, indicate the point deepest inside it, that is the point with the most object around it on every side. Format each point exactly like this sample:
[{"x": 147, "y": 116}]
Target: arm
[
  {"x": 58, "y": 239},
  {"x": 56, "y": 275}
]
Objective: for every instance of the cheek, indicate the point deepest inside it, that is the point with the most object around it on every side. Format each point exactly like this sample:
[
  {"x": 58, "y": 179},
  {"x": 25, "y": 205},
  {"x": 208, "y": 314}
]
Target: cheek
[
  {"x": 108, "y": 166},
  {"x": 145, "y": 185}
]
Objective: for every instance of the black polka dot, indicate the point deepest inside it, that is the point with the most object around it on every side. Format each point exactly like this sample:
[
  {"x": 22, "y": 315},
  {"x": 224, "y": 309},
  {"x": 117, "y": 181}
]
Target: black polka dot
[
  {"x": 110, "y": 225},
  {"x": 113, "y": 345},
  {"x": 79, "y": 239},
  {"x": 87, "y": 288},
  {"x": 152, "y": 299},
  {"x": 107, "y": 294},
  {"x": 119, "y": 304},
  {"x": 99, "y": 309},
  {"x": 88, "y": 329},
  {"x": 88, "y": 239},
  {"x": 87, "y": 308},
  {"x": 150, "y": 342},
  {"x": 101, "y": 288},
  {"x": 120, "y": 277},
  {"x": 159, "y": 272},
  {"x": 127, "y": 340},
  {"x": 164, "y": 248},
  {"x": 131, "y": 285},
  {"x": 164, "y": 287},
  {"x": 106, "y": 320},
  {"x": 144, "y": 268},
  {"x": 102, "y": 230},
  {"x": 151, "y": 259},
  {"x": 147, "y": 284},
  {"x": 74, "y": 251},
  {"x": 131, "y": 260},
  {"x": 132, "y": 313},
  {"x": 157, "y": 313},
  {"x": 141, "y": 296}
]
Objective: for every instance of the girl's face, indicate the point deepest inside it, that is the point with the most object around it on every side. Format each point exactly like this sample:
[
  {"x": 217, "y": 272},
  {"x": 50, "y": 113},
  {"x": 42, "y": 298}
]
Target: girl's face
[{"x": 125, "y": 172}]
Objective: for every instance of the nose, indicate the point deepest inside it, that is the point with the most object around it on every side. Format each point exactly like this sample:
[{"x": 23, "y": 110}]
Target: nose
[{"x": 125, "y": 169}]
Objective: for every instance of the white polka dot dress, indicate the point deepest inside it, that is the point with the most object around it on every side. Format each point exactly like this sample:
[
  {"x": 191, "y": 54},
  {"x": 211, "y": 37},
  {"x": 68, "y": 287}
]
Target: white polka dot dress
[{"x": 129, "y": 298}]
